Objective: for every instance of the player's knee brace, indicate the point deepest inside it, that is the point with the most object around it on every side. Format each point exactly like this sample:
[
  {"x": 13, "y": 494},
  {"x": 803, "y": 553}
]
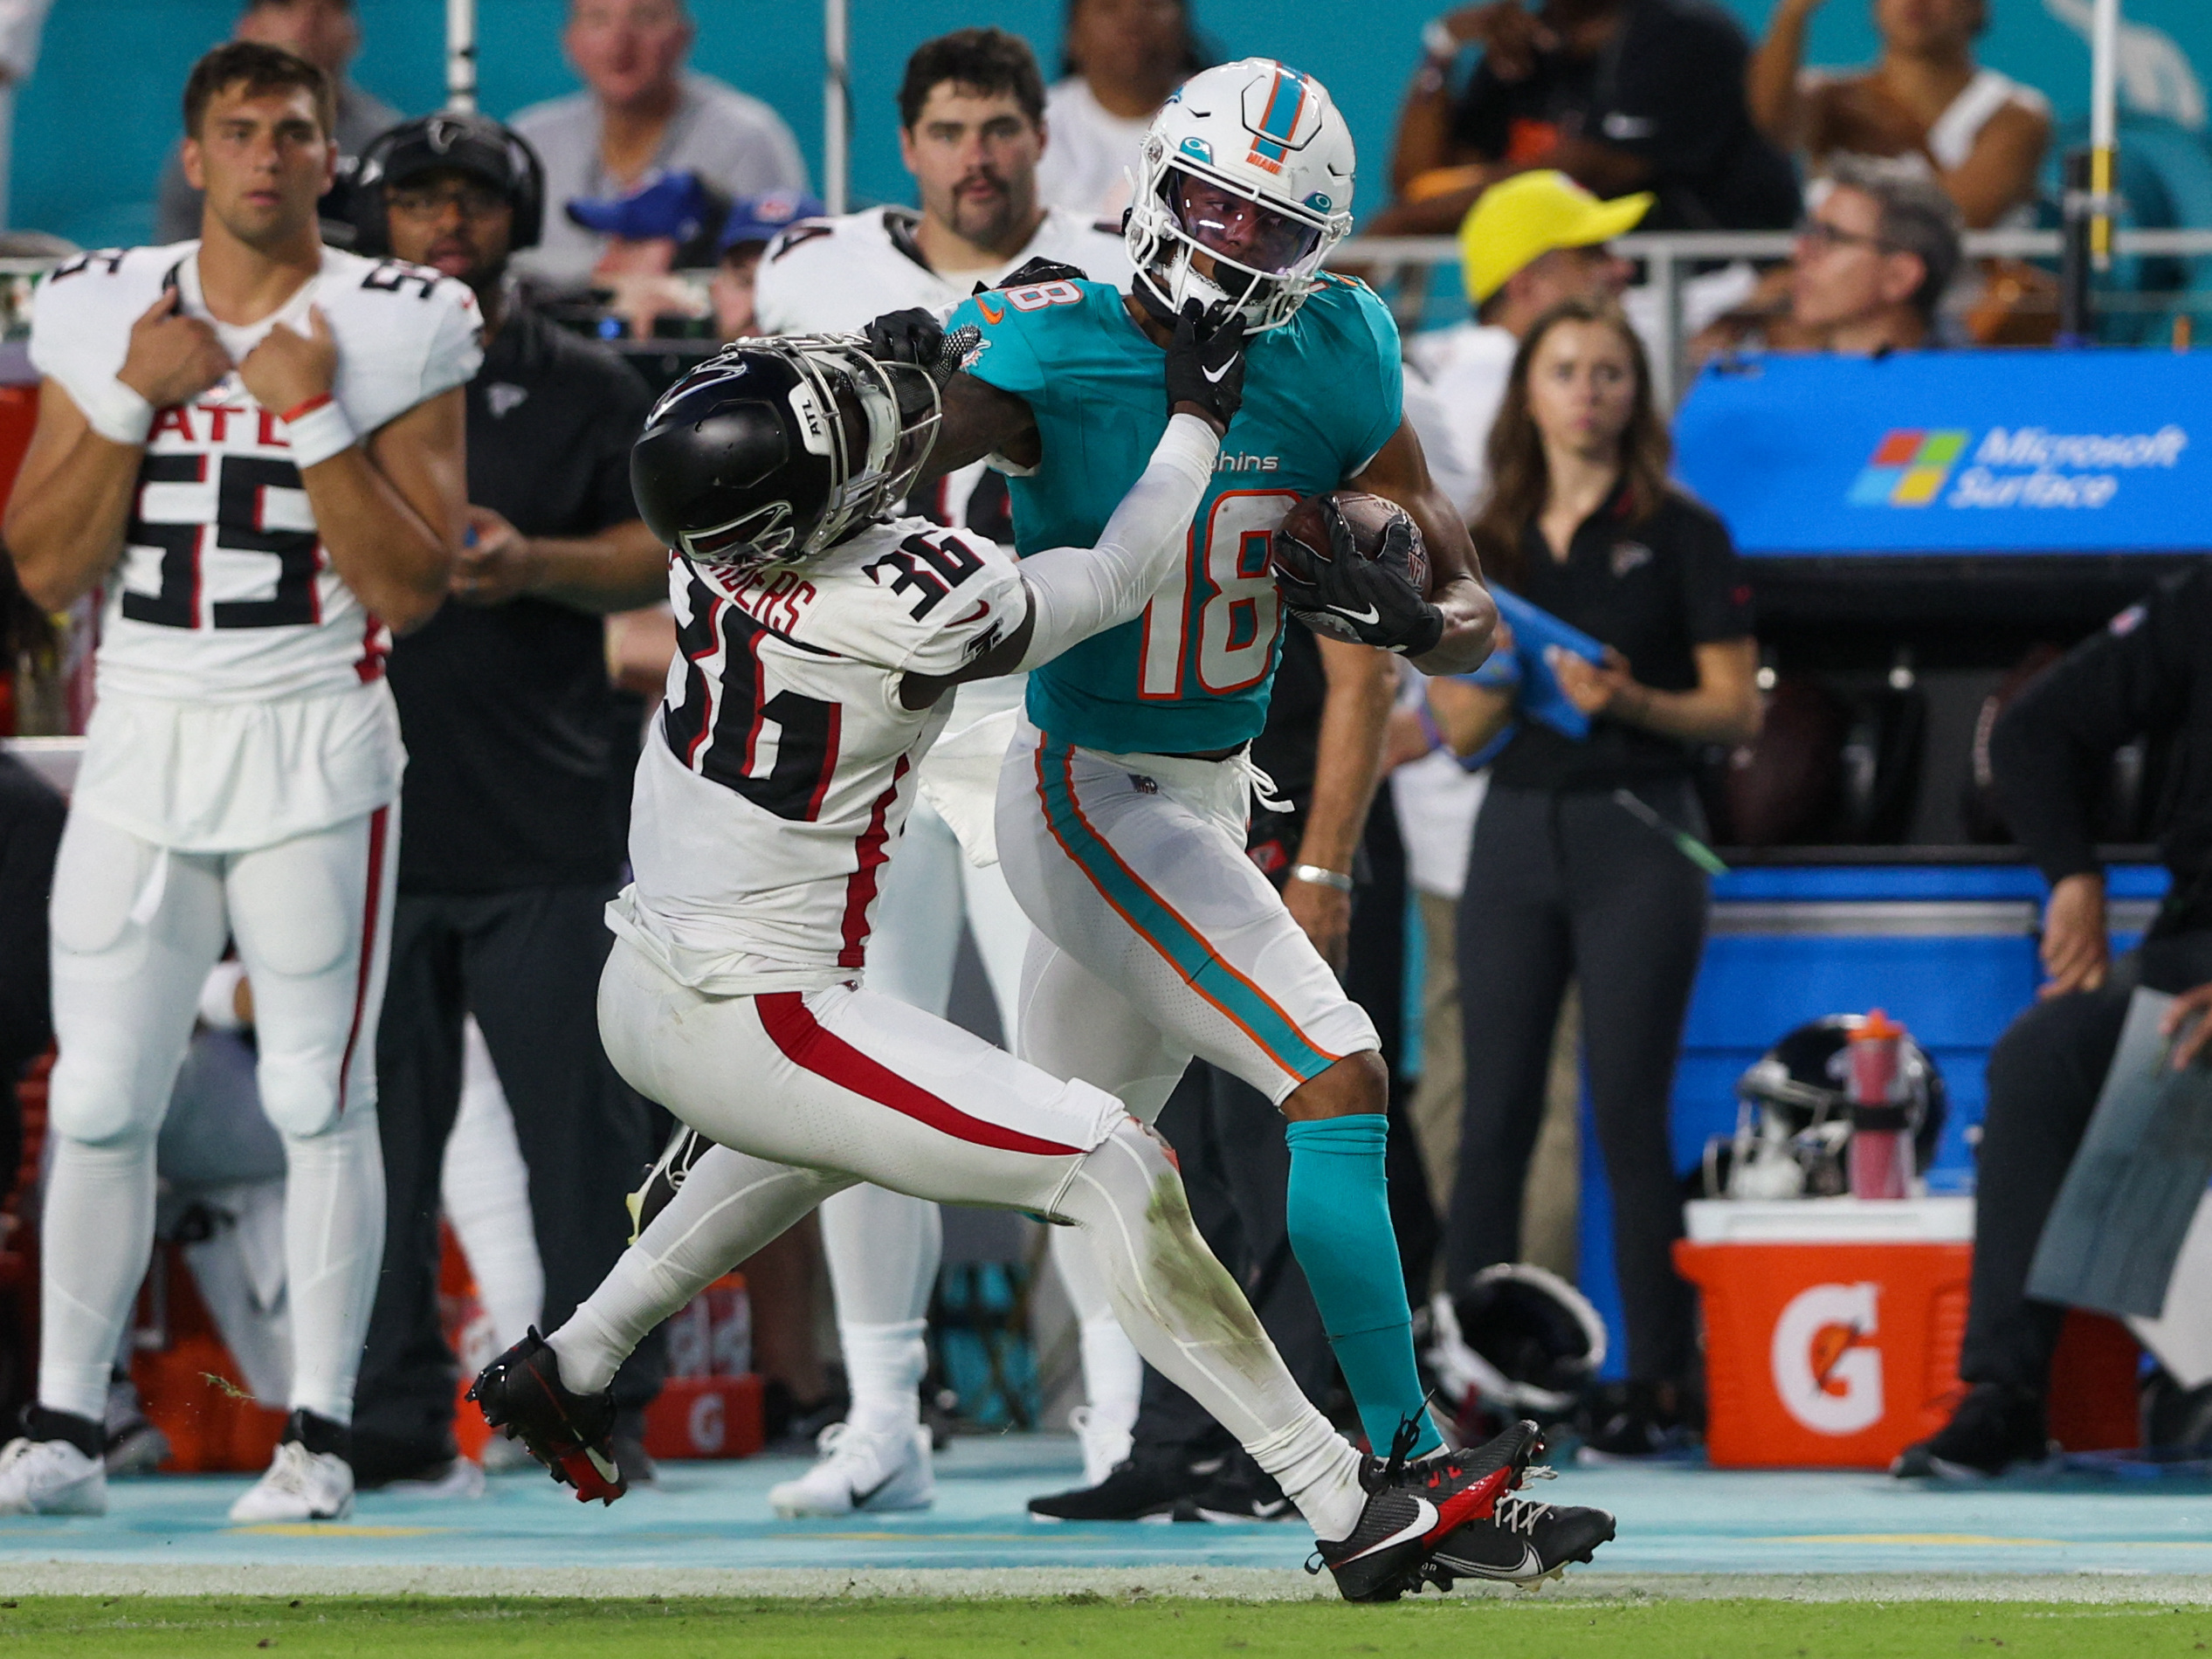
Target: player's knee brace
[
  {"x": 300, "y": 1092},
  {"x": 99, "y": 1096}
]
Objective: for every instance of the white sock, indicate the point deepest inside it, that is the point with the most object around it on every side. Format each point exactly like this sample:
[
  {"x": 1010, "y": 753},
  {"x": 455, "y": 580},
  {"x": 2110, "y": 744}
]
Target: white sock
[
  {"x": 334, "y": 1249},
  {"x": 1318, "y": 1471},
  {"x": 1113, "y": 1369},
  {"x": 728, "y": 1208},
  {"x": 96, "y": 1240},
  {"x": 884, "y": 1365}
]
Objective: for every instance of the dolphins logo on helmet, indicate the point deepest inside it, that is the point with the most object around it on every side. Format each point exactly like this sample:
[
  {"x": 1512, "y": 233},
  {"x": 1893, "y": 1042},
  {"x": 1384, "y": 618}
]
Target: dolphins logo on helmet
[{"x": 1243, "y": 186}]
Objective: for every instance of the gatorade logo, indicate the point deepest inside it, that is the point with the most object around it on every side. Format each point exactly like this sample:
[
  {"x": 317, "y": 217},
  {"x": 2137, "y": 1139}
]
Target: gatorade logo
[
  {"x": 1827, "y": 1370},
  {"x": 706, "y": 1426}
]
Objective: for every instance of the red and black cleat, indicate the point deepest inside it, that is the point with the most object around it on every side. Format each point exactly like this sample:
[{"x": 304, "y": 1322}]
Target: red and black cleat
[
  {"x": 1414, "y": 1506},
  {"x": 522, "y": 1394}
]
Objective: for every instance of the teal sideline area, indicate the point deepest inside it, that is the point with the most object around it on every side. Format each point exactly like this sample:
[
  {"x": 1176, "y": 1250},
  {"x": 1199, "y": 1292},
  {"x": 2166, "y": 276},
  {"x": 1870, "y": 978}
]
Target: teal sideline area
[
  {"x": 96, "y": 119},
  {"x": 1674, "y": 1519}
]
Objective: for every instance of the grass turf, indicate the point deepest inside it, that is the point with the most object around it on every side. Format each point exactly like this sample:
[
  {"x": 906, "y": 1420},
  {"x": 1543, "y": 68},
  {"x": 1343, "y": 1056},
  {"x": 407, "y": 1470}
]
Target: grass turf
[{"x": 1489, "y": 1628}]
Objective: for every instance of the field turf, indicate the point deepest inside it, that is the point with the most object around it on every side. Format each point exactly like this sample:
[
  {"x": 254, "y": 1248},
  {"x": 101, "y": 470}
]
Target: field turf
[{"x": 1470, "y": 1627}]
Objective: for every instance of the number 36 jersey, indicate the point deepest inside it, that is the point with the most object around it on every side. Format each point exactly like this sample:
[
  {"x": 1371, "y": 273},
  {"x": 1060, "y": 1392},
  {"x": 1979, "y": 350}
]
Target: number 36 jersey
[
  {"x": 224, "y": 592},
  {"x": 1321, "y": 397},
  {"x": 782, "y": 766}
]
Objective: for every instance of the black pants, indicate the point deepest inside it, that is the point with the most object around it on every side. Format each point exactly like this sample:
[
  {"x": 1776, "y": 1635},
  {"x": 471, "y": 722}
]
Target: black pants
[
  {"x": 2045, "y": 1074},
  {"x": 1571, "y": 885},
  {"x": 1237, "y": 1169},
  {"x": 527, "y": 965}
]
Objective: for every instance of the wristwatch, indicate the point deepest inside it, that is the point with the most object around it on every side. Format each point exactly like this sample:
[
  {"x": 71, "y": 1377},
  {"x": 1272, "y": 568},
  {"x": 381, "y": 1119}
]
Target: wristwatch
[{"x": 1322, "y": 876}]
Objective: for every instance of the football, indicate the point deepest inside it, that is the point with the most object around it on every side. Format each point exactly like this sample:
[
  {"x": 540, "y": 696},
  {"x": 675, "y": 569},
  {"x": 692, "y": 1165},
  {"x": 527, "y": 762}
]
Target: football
[{"x": 1302, "y": 538}]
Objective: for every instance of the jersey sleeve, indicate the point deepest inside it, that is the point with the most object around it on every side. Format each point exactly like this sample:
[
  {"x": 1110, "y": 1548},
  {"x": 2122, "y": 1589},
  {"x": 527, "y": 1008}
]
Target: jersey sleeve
[
  {"x": 983, "y": 603},
  {"x": 455, "y": 349},
  {"x": 74, "y": 337},
  {"x": 1716, "y": 594},
  {"x": 1377, "y": 374},
  {"x": 1004, "y": 352}
]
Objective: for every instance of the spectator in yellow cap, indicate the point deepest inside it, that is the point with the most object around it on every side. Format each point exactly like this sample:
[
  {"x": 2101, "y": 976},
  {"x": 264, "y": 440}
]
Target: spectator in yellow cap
[{"x": 1526, "y": 244}]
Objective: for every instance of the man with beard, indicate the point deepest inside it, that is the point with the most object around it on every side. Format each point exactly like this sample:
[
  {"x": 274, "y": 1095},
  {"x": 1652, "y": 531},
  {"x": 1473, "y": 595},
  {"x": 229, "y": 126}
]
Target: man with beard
[
  {"x": 513, "y": 791},
  {"x": 971, "y": 110}
]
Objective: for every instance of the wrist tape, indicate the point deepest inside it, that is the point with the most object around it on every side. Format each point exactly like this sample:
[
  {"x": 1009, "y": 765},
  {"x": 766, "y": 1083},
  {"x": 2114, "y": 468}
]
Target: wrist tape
[
  {"x": 317, "y": 430},
  {"x": 114, "y": 411}
]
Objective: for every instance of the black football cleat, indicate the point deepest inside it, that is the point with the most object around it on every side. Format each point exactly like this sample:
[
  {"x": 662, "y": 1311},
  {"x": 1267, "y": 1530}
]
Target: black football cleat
[
  {"x": 522, "y": 1394},
  {"x": 1520, "y": 1541},
  {"x": 1414, "y": 1506},
  {"x": 1139, "y": 1489},
  {"x": 665, "y": 1179}
]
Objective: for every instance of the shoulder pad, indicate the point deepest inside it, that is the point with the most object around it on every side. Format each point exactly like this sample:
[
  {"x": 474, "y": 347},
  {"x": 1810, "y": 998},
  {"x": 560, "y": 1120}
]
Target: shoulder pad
[{"x": 797, "y": 237}]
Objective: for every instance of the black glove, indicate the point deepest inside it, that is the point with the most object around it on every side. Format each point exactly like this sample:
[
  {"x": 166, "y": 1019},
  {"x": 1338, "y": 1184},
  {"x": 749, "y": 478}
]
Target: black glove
[
  {"x": 1037, "y": 270},
  {"x": 910, "y": 336},
  {"x": 1377, "y": 601},
  {"x": 1206, "y": 363}
]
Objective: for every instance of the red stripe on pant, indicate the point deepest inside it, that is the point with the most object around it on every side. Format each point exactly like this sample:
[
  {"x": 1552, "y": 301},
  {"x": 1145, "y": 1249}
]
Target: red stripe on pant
[
  {"x": 804, "y": 1042},
  {"x": 377, "y": 822},
  {"x": 868, "y": 854}
]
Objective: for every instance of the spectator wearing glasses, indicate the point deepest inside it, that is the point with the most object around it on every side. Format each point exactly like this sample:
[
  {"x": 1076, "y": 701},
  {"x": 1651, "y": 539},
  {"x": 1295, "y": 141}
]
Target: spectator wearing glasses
[
  {"x": 1980, "y": 135},
  {"x": 512, "y": 800},
  {"x": 643, "y": 112},
  {"x": 328, "y": 34},
  {"x": 1873, "y": 259},
  {"x": 1123, "y": 56},
  {"x": 1622, "y": 95}
]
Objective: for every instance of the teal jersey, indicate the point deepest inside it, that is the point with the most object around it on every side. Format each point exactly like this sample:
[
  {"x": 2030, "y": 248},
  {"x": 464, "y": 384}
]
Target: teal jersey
[{"x": 1321, "y": 395}]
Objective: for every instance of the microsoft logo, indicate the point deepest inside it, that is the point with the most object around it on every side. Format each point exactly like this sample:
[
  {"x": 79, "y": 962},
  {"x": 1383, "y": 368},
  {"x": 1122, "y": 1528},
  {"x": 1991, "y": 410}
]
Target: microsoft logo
[{"x": 1908, "y": 468}]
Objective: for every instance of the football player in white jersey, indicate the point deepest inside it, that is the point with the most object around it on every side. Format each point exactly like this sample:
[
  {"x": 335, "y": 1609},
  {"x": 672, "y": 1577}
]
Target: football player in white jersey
[
  {"x": 251, "y": 446},
  {"x": 818, "y": 647},
  {"x": 971, "y": 131}
]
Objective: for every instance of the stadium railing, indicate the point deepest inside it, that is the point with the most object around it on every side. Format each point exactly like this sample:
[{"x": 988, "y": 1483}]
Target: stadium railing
[{"x": 1670, "y": 257}]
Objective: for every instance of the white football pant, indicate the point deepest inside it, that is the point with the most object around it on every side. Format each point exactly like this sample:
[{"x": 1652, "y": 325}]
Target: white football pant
[{"x": 136, "y": 928}]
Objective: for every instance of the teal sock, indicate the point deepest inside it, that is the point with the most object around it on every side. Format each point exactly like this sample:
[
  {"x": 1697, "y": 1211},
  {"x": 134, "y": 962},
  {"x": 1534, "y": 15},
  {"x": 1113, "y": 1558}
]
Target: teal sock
[{"x": 1339, "y": 1213}]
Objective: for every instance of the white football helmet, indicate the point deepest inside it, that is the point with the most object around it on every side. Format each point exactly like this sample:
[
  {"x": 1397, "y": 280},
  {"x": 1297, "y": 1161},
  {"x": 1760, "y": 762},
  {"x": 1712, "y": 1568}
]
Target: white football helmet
[{"x": 1249, "y": 166}]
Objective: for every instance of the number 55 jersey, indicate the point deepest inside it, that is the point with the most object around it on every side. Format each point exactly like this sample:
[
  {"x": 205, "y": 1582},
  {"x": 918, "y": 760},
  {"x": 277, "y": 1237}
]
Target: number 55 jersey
[
  {"x": 1321, "y": 397},
  {"x": 240, "y": 680},
  {"x": 782, "y": 766}
]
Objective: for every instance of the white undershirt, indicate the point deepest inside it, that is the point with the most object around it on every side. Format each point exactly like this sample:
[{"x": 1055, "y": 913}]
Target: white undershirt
[{"x": 1089, "y": 152}]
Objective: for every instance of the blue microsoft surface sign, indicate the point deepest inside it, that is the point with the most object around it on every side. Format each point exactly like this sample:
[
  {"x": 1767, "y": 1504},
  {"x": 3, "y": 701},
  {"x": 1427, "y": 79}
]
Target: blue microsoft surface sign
[{"x": 1956, "y": 452}]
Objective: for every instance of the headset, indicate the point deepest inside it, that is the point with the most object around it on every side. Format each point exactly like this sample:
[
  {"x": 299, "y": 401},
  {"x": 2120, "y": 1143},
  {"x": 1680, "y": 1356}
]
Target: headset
[{"x": 372, "y": 230}]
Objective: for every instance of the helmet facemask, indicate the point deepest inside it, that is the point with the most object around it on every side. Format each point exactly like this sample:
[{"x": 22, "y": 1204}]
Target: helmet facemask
[
  {"x": 875, "y": 423},
  {"x": 1196, "y": 233}
]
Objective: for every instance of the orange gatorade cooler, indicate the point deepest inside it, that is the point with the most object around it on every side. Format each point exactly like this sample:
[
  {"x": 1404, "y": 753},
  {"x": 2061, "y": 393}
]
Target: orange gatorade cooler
[{"x": 1832, "y": 1325}]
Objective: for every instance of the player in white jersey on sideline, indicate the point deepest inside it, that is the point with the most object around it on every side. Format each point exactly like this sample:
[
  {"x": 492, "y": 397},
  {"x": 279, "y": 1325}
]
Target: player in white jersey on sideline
[
  {"x": 818, "y": 646},
  {"x": 252, "y": 446},
  {"x": 971, "y": 132}
]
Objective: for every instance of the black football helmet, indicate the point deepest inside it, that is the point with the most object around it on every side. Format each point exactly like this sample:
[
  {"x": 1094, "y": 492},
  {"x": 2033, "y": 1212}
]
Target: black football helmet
[
  {"x": 1794, "y": 1117},
  {"x": 1516, "y": 1341},
  {"x": 777, "y": 450}
]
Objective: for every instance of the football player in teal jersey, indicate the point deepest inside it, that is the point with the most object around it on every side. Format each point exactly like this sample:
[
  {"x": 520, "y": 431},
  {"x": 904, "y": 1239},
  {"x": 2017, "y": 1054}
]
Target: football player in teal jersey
[{"x": 1122, "y": 804}]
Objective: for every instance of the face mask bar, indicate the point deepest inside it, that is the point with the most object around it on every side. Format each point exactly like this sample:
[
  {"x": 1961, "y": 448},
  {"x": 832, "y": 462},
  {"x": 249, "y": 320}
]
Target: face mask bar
[{"x": 1196, "y": 209}]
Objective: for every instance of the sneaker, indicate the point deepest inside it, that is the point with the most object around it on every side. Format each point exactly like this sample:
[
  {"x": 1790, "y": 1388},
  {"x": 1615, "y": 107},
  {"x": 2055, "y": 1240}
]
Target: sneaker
[
  {"x": 1105, "y": 1446},
  {"x": 1147, "y": 1487},
  {"x": 55, "y": 1467},
  {"x": 1239, "y": 1491},
  {"x": 1628, "y": 1422},
  {"x": 1995, "y": 1427},
  {"x": 308, "y": 1479},
  {"x": 1520, "y": 1541},
  {"x": 861, "y": 1470},
  {"x": 521, "y": 1393},
  {"x": 666, "y": 1178},
  {"x": 1414, "y": 1506}
]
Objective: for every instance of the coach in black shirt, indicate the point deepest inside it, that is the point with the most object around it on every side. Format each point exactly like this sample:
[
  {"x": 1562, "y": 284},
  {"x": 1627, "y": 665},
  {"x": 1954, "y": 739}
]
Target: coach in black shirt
[
  {"x": 2149, "y": 674},
  {"x": 518, "y": 771},
  {"x": 1622, "y": 95}
]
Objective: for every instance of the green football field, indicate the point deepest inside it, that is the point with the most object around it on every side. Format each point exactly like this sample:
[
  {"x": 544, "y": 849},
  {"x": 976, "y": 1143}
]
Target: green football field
[{"x": 1527, "y": 1628}]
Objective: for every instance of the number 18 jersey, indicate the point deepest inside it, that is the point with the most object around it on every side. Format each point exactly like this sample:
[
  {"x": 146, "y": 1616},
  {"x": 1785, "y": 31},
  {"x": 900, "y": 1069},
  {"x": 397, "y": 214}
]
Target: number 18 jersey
[{"x": 1321, "y": 397}]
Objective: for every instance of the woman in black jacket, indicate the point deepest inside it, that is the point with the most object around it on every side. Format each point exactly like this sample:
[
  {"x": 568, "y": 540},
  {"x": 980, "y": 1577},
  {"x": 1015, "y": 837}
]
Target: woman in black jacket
[{"x": 1567, "y": 880}]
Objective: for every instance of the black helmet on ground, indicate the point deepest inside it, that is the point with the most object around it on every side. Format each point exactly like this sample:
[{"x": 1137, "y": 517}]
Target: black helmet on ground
[{"x": 778, "y": 449}]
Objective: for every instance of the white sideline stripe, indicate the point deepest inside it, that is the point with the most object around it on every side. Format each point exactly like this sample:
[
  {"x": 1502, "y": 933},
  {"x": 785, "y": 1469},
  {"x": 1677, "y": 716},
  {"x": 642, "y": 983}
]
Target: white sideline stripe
[{"x": 1237, "y": 1584}]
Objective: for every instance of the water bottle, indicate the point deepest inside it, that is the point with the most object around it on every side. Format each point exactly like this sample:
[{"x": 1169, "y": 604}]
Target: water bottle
[{"x": 1881, "y": 1158}]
